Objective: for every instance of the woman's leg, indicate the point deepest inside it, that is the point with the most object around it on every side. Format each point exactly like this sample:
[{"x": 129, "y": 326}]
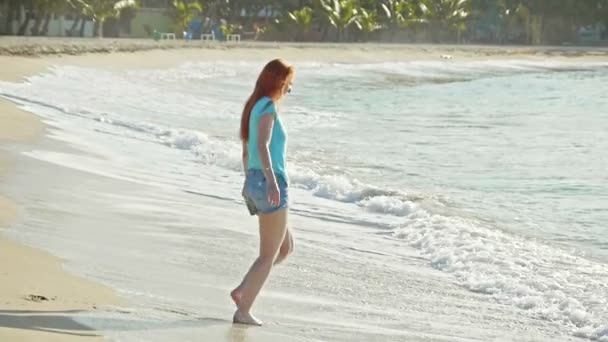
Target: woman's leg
[
  {"x": 286, "y": 247},
  {"x": 272, "y": 233},
  {"x": 285, "y": 250}
]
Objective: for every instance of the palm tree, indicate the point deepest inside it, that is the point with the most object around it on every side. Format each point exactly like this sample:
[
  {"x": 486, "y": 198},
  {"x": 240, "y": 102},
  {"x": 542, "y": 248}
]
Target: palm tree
[
  {"x": 367, "y": 22},
  {"x": 303, "y": 19},
  {"x": 397, "y": 13},
  {"x": 44, "y": 10},
  {"x": 183, "y": 13},
  {"x": 445, "y": 15},
  {"x": 78, "y": 7},
  {"x": 340, "y": 14},
  {"x": 40, "y": 10},
  {"x": 28, "y": 5},
  {"x": 53, "y": 7},
  {"x": 12, "y": 10},
  {"x": 100, "y": 10},
  {"x": 602, "y": 13}
]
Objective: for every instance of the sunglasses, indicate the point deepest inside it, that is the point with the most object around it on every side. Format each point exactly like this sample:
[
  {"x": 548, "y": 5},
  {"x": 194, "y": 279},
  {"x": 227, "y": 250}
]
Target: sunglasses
[{"x": 288, "y": 89}]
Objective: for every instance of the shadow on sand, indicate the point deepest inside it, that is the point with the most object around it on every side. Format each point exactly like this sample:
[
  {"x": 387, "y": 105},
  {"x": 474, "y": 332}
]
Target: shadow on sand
[{"x": 65, "y": 322}]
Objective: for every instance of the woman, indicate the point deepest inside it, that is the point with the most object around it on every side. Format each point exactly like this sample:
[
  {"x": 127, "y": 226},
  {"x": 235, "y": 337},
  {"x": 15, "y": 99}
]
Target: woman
[{"x": 265, "y": 190}]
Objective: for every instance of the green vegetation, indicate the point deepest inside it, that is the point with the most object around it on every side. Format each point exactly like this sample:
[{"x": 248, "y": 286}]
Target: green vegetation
[
  {"x": 438, "y": 21},
  {"x": 182, "y": 12}
]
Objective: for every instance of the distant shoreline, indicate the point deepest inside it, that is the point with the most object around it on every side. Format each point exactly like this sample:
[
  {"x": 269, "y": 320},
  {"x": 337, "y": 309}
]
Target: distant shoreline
[{"x": 41, "y": 46}]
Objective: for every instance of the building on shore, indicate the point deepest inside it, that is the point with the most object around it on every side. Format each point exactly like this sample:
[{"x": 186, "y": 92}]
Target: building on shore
[{"x": 150, "y": 16}]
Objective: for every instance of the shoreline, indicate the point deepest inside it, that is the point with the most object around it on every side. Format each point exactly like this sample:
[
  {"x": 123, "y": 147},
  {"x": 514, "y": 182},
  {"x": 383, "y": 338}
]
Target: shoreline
[
  {"x": 48, "y": 46},
  {"x": 39, "y": 297}
]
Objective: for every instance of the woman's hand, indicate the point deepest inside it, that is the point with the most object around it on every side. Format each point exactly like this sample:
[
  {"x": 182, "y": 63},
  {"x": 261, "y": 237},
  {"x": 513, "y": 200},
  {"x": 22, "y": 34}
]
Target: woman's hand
[{"x": 274, "y": 195}]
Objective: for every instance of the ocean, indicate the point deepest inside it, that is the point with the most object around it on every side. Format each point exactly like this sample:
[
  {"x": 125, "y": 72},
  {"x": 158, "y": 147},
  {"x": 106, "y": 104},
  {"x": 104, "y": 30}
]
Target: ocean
[{"x": 432, "y": 200}]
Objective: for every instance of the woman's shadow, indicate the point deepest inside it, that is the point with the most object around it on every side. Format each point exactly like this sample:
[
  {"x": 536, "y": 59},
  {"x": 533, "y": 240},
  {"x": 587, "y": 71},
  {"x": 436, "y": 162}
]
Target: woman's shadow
[{"x": 65, "y": 322}]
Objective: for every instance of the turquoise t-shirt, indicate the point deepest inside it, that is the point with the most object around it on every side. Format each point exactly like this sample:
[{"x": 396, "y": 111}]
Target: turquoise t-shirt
[{"x": 278, "y": 139}]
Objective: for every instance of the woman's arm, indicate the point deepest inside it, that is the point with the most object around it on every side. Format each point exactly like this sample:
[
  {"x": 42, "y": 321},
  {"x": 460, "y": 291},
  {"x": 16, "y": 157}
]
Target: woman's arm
[
  {"x": 245, "y": 156},
  {"x": 264, "y": 135}
]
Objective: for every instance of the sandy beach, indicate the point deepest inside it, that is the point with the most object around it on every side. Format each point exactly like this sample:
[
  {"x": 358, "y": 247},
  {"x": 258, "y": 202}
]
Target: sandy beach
[
  {"x": 38, "y": 297},
  {"x": 175, "y": 287}
]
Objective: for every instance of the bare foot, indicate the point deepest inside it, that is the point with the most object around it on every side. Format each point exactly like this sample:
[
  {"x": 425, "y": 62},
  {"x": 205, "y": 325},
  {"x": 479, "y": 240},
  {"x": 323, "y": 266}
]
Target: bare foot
[
  {"x": 245, "y": 318},
  {"x": 236, "y": 296}
]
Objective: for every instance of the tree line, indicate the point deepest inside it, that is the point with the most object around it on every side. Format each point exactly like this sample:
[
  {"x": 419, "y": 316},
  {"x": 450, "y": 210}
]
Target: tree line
[{"x": 486, "y": 21}]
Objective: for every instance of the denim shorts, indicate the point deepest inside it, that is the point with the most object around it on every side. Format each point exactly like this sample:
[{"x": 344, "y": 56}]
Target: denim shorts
[{"x": 256, "y": 193}]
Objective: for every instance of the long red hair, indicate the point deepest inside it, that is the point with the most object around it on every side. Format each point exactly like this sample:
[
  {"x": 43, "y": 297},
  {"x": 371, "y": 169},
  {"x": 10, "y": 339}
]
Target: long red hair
[{"x": 269, "y": 83}]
